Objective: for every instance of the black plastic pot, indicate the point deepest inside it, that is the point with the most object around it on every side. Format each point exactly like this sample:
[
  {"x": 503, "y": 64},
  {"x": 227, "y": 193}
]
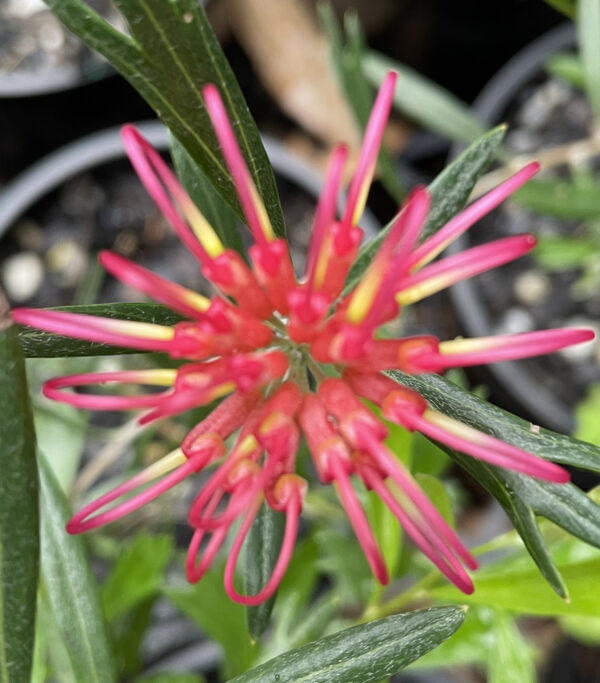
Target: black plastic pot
[
  {"x": 491, "y": 106},
  {"x": 106, "y": 146}
]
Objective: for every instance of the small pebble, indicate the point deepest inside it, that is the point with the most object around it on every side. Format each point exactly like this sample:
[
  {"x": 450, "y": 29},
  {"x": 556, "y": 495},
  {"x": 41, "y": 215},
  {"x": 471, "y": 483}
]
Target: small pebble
[
  {"x": 532, "y": 287},
  {"x": 22, "y": 275},
  {"x": 25, "y": 8},
  {"x": 69, "y": 259}
]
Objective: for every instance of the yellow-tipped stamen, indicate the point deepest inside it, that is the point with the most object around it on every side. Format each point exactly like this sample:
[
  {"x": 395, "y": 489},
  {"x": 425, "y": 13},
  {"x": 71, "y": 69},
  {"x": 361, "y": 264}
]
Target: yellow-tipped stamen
[
  {"x": 222, "y": 390},
  {"x": 261, "y": 212},
  {"x": 361, "y": 200},
  {"x": 142, "y": 330},
  {"x": 454, "y": 346},
  {"x": 423, "y": 289},
  {"x": 248, "y": 445},
  {"x": 451, "y": 426},
  {"x": 161, "y": 377},
  {"x": 323, "y": 260},
  {"x": 364, "y": 295},
  {"x": 165, "y": 465},
  {"x": 203, "y": 230}
]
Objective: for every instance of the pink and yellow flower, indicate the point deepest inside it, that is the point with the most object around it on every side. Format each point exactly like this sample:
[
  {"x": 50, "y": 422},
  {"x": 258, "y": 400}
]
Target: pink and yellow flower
[{"x": 266, "y": 337}]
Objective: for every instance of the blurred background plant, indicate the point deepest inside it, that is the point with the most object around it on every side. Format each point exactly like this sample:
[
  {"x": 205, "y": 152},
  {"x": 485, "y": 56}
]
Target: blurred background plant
[{"x": 309, "y": 75}]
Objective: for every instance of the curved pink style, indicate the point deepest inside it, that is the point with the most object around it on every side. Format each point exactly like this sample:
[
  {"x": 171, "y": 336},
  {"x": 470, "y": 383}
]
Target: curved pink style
[
  {"x": 252, "y": 206},
  {"x": 252, "y": 347},
  {"x": 365, "y": 168},
  {"x": 465, "y": 219},
  {"x": 54, "y": 389}
]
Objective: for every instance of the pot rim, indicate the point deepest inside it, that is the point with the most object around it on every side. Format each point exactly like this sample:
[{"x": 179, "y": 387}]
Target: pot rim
[
  {"x": 105, "y": 146},
  {"x": 489, "y": 105},
  {"x": 32, "y": 84}
]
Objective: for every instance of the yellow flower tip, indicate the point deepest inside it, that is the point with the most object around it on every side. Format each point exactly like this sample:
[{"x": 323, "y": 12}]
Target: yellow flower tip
[
  {"x": 163, "y": 466},
  {"x": 143, "y": 330},
  {"x": 222, "y": 390},
  {"x": 262, "y": 216},
  {"x": 203, "y": 230},
  {"x": 363, "y": 296},
  {"x": 455, "y": 346},
  {"x": 162, "y": 377}
]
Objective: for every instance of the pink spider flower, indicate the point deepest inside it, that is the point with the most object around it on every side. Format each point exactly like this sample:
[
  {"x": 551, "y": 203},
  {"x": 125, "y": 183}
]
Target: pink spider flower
[{"x": 260, "y": 343}]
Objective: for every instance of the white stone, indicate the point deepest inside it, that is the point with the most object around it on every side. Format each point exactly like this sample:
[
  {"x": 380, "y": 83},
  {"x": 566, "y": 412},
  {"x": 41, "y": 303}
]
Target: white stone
[
  {"x": 22, "y": 275},
  {"x": 532, "y": 287}
]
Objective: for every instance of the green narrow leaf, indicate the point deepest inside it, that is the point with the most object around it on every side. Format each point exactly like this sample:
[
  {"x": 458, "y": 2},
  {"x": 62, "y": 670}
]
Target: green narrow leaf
[
  {"x": 424, "y": 101},
  {"x": 523, "y": 591},
  {"x": 361, "y": 654},
  {"x": 588, "y": 34},
  {"x": 19, "y": 535},
  {"x": 557, "y": 254},
  {"x": 449, "y": 193},
  {"x": 438, "y": 495},
  {"x": 56, "y": 658},
  {"x": 137, "y": 574},
  {"x": 38, "y": 344},
  {"x": 262, "y": 550},
  {"x": 203, "y": 194},
  {"x": 171, "y": 54},
  {"x": 454, "y": 401},
  {"x": 510, "y": 659},
  {"x": 560, "y": 198},
  {"x": 347, "y": 56},
  {"x": 221, "y": 618},
  {"x": 568, "y": 67},
  {"x": 520, "y": 514},
  {"x": 521, "y": 497},
  {"x": 71, "y": 588}
]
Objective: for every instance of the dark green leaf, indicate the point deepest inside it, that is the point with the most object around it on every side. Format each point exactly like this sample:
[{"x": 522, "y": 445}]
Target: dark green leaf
[
  {"x": 521, "y": 497},
  {"x": 71, "y": 588},
  {"x": 519, "y": 512},
  {"x": 127, "y": 635},
  {"x": 137, "y": 574},
  {"x": 19, "y": 536},
  {"x": 347, "y": 56},
  {"x": 171, "y": 54},
  {"x": 450, "y": 399},
  {"x": 221, "y": 618},
  {"x": 203, "y": 194},
  {"x": 469, "y": 645},
  {"x": 38, "y": 344},
  {"x": 361, "y": 654},
  {"x": 262, "y": 550},
  {"x": 588, "y": 34},
  {"x": 424, "y": 101},
  {"x": 449, "y": 193}
]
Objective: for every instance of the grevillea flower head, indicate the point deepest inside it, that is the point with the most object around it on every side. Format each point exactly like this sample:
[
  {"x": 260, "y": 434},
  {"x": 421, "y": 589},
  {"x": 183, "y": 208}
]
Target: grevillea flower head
[{"x": 265, "y": 338}]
